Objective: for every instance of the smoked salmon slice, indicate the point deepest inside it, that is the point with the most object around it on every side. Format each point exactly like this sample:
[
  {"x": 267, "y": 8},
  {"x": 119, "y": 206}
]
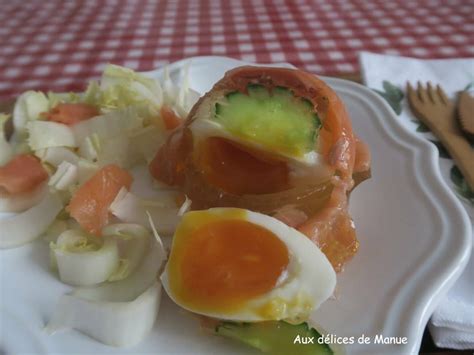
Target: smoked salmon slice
[
  {"x": 90, "y": 204},
  {"x": 333, "y": 230},
  {"x": 21, "y": 174},
  {"x": 70, "y": 114}
]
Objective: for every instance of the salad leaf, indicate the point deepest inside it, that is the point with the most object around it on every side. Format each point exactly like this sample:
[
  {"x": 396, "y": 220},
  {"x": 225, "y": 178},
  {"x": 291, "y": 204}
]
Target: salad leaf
[
  {"x": 83, "y": 260},
  {"x": 133, "y": 241},
  {"x": 185, "y": 207},
  {"x": 23, "y": 201},
  {"x": 130, "y": 208},
  {"x": 56, "y": 155},
  {"x": 63, "y": 97},
  {"x": 161, "y": 247},
  {"x": 109, "y": 125},
  {"x": 55, "y": 229},
  {"x": 146, "y": 142},
  {"x": 117, "y": 150},
  {"x": 45, "y": 134},
  {"x": 180, "y": 97},
  {"x": 24, "y": 227},
  {"x": 89, "y": 147},
  {"x": 122, "y": 87},
  {"x": 85, "y": 170},
  {"x": 28, "y": 107},
  {"x": 65, "y": 176},
  {"x": 130, "y": 305}
]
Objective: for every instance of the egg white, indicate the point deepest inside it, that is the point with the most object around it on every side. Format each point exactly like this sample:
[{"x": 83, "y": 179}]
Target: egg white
[{"x": 307, "y": 282}]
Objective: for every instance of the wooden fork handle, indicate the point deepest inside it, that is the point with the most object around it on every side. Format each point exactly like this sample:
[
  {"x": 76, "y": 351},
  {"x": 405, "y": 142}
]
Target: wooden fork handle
[{"x": 460, "y": 150}]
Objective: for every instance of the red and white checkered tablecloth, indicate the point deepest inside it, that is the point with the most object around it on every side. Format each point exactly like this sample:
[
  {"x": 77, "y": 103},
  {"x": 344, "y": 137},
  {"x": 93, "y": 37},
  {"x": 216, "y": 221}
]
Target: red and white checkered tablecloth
[{"x": 60, "y": 45}]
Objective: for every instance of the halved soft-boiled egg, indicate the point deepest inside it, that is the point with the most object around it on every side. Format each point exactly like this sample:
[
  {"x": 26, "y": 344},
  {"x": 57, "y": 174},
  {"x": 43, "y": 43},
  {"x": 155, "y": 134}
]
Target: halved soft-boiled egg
[
  {"x": 262, "y": 132},
  {"x": 235, "y": 264}
]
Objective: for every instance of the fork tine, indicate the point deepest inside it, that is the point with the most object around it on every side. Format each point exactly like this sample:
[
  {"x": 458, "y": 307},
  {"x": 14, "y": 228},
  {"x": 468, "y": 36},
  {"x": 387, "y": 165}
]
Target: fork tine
[
  {"x": 431, "y": 92},
  {"x": 413, "y": 98},
  {"x": 409, "y": 88},
  {"x": 442, "y": 95},
  {"x": 411, "y": 92},
  {"x": 421, "y": 93}
]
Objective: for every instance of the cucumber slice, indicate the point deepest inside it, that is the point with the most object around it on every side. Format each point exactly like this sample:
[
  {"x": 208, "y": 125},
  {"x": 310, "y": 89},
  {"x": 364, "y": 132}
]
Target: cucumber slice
[
  {"x": 276, "y": 337},
  {"x": 278, "y": 120}
]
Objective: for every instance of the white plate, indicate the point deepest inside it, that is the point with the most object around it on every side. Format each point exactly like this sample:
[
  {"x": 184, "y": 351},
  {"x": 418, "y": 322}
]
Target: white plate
[{"x": 414, "y": 242}]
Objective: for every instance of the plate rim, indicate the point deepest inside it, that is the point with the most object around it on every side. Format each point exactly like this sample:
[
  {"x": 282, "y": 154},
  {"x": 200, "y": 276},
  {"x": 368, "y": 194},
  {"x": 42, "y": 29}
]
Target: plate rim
[
  {"x": 452, "y": 210},
  {"x": 455, "y": 264}
]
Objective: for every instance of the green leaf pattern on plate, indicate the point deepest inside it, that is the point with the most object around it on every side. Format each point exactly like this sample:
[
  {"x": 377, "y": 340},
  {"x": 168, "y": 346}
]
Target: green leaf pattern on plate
[
  {"x": 443, "y": 153},
  {"x": 469, "y": 86},
  {"x": 393, "y": 95},
  {"x": 422, "y": 128},
  {"x": 461, "y": 186}
]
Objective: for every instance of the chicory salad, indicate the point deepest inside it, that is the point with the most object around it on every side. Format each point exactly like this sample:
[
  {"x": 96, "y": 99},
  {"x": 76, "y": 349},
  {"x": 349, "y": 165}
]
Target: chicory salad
[{"x": 74, "y": 174}]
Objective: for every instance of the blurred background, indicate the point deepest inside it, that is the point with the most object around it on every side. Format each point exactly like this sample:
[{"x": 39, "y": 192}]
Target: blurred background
[{"x": 60, "y": 45}]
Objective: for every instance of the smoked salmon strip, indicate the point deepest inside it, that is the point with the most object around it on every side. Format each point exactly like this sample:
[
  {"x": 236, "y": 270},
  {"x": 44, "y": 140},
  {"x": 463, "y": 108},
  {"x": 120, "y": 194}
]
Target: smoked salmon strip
[
  {"x": 90, "y": 204},
  {"x": 71, "y": 113},
  {"x": 21, "y": 174}
]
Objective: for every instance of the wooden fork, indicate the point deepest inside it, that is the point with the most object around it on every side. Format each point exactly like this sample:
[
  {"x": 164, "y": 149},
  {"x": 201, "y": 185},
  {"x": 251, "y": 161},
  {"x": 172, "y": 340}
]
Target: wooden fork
[{"x": 432, "y": 107}]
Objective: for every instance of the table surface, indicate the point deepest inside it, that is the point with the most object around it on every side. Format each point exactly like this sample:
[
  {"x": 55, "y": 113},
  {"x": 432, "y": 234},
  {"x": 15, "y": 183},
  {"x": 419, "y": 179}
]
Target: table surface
[{"x": 61, "y": 45}]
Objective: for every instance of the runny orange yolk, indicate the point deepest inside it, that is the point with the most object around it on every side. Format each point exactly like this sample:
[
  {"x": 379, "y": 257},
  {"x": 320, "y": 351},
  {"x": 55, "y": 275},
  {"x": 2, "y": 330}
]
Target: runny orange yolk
[
  {"x": 218, "y": 264},
  {"x": 240, "y": 170}
]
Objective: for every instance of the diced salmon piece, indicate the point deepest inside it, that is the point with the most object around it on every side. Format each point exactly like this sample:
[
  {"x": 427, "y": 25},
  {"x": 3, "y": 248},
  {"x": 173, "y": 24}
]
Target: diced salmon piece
[
  {"x": 170, "y": 118},
  {"x": 21, "y": 174},
  {"x": 90, "y": 204},
  {"x": 70, "y": 114}
]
